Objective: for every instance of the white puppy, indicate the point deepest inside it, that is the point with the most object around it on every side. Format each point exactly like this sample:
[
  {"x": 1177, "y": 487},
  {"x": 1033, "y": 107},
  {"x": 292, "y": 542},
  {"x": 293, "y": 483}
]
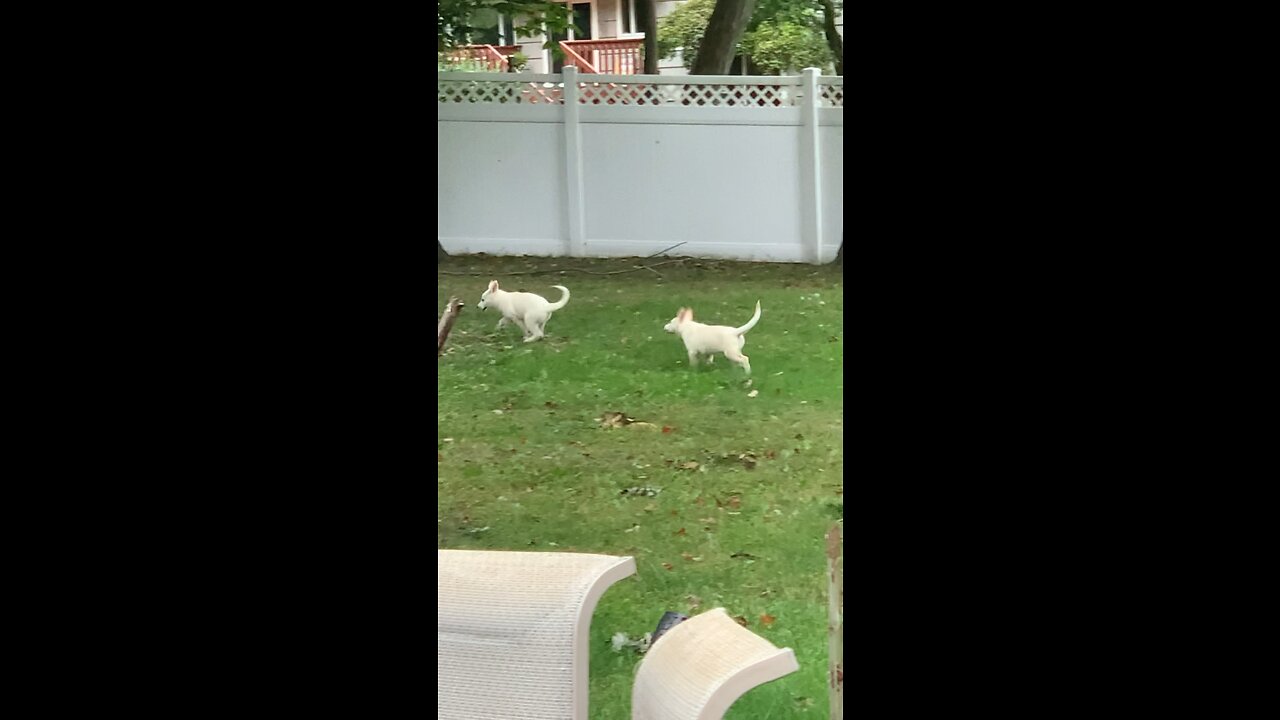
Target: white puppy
[
  {"x": 529, "y": 312},
  {"x": 707, "y": 340}
]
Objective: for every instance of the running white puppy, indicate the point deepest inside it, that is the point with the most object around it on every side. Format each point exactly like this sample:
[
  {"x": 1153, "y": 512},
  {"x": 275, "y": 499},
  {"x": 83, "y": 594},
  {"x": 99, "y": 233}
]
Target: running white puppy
[
  {"x": 707, "y": 340},
  {"x": 528, "y": 311}
]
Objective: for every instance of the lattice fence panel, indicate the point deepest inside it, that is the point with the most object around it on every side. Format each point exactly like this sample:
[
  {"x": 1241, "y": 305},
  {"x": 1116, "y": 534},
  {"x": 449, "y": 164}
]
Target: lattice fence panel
[
  {"x": 690, "y": 95},
  {"x": 500, "y": 92},
  {"x": 831, "y": 96}
]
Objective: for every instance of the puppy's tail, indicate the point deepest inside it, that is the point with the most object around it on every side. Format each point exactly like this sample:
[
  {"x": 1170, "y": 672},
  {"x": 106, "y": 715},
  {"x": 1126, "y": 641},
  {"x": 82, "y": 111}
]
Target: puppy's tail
[
  {"x": 563, "y": 301},
  {"x": 752, "y": 322}
]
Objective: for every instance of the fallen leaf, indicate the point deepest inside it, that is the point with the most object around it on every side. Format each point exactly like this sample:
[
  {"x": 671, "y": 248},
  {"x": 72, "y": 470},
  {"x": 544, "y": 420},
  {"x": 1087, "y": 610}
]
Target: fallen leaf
[
  {"x": 680, "y": 532},
  {"x": 667, "y": 429},
  {"x": 551, "y": 405},
  {"x": 689, "y": 465},
  {"x": 694, "y": 601},
  {"x": 767, "y": 619},
  {"x": 748, "y": 556},
  {"x": 668, "y": 566},
  {"x": 735, "y": 502},
  {"x": 690, "y": 558},
  {"x": 740, "y": 620},
  {"x": 753, "y": 393}
]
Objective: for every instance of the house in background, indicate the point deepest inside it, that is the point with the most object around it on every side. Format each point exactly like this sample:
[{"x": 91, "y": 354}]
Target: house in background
[{"x": 608, "y": 41}]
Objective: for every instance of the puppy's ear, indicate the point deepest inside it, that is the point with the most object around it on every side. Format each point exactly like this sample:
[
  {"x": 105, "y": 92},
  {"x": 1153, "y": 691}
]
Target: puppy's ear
[
  {"x": 688, "y": 314},
  {"x": 493, "y": 285}
]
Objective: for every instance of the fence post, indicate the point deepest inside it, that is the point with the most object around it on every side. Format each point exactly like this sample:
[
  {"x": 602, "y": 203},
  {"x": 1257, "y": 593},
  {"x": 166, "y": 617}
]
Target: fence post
[
  {"x": 810, "y": 168},
  {"x": 574, "y": 191}
]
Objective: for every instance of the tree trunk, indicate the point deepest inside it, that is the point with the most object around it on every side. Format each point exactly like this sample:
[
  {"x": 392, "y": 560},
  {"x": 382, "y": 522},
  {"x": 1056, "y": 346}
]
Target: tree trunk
[
  {"x": 724, "y": 30},
  {"x": 647, "y": 19},
  {"x": 833, "y": 36}
]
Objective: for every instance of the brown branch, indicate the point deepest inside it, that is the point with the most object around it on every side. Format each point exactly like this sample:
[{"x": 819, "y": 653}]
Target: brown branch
[
  {"x": 446, "y": 323},
  {"x": 589, "y": 272},
  {"x": 543, "y": 272}
]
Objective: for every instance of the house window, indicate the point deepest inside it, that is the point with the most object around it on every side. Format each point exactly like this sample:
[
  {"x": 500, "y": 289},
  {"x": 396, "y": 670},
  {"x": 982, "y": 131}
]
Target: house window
[
  {"x": 580, "y": 15},
  {"x": 626, "y": 8},
  {"x": 501, "y": 34}
]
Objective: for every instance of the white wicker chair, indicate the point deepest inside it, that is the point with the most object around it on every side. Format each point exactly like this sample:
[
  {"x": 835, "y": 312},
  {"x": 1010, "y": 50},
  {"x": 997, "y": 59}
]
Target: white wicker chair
[
  {"x": 514, "y": 629},
  {"x": 698, "y": 668}
]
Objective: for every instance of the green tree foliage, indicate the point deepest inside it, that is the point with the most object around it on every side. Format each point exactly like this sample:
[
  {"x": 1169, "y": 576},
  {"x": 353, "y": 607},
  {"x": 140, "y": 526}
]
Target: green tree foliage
[
  {"x": 782, "y": 36},
  {"x": 459, "y": 20},
  {"x": 684, "y": 28},
  {"x": 786, "y": 47}
]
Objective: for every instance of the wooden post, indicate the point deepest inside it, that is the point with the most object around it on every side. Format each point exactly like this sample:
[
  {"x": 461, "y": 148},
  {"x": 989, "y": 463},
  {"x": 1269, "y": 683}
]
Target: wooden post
[
  {"x": 446, "y": 323},
  {"x": 835, "y": 622}
]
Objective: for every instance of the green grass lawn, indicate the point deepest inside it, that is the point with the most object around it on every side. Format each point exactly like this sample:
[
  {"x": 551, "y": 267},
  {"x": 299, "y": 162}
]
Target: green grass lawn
[{"x": 723, "y": 500}]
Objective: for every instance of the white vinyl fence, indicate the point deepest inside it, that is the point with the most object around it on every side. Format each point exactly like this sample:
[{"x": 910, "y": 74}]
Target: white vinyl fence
[{"x": 572, "y": 165}]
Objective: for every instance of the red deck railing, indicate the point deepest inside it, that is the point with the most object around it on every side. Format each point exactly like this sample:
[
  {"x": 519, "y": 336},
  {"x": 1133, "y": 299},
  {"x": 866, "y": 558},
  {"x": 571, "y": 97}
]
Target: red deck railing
[
  {"x": 619, "y": 56},
  {"x": 494, "y": 56}
]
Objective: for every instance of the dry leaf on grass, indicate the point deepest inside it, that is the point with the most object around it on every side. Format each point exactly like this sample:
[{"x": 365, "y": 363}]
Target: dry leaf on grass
[{"x": 767, "y": 619}]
